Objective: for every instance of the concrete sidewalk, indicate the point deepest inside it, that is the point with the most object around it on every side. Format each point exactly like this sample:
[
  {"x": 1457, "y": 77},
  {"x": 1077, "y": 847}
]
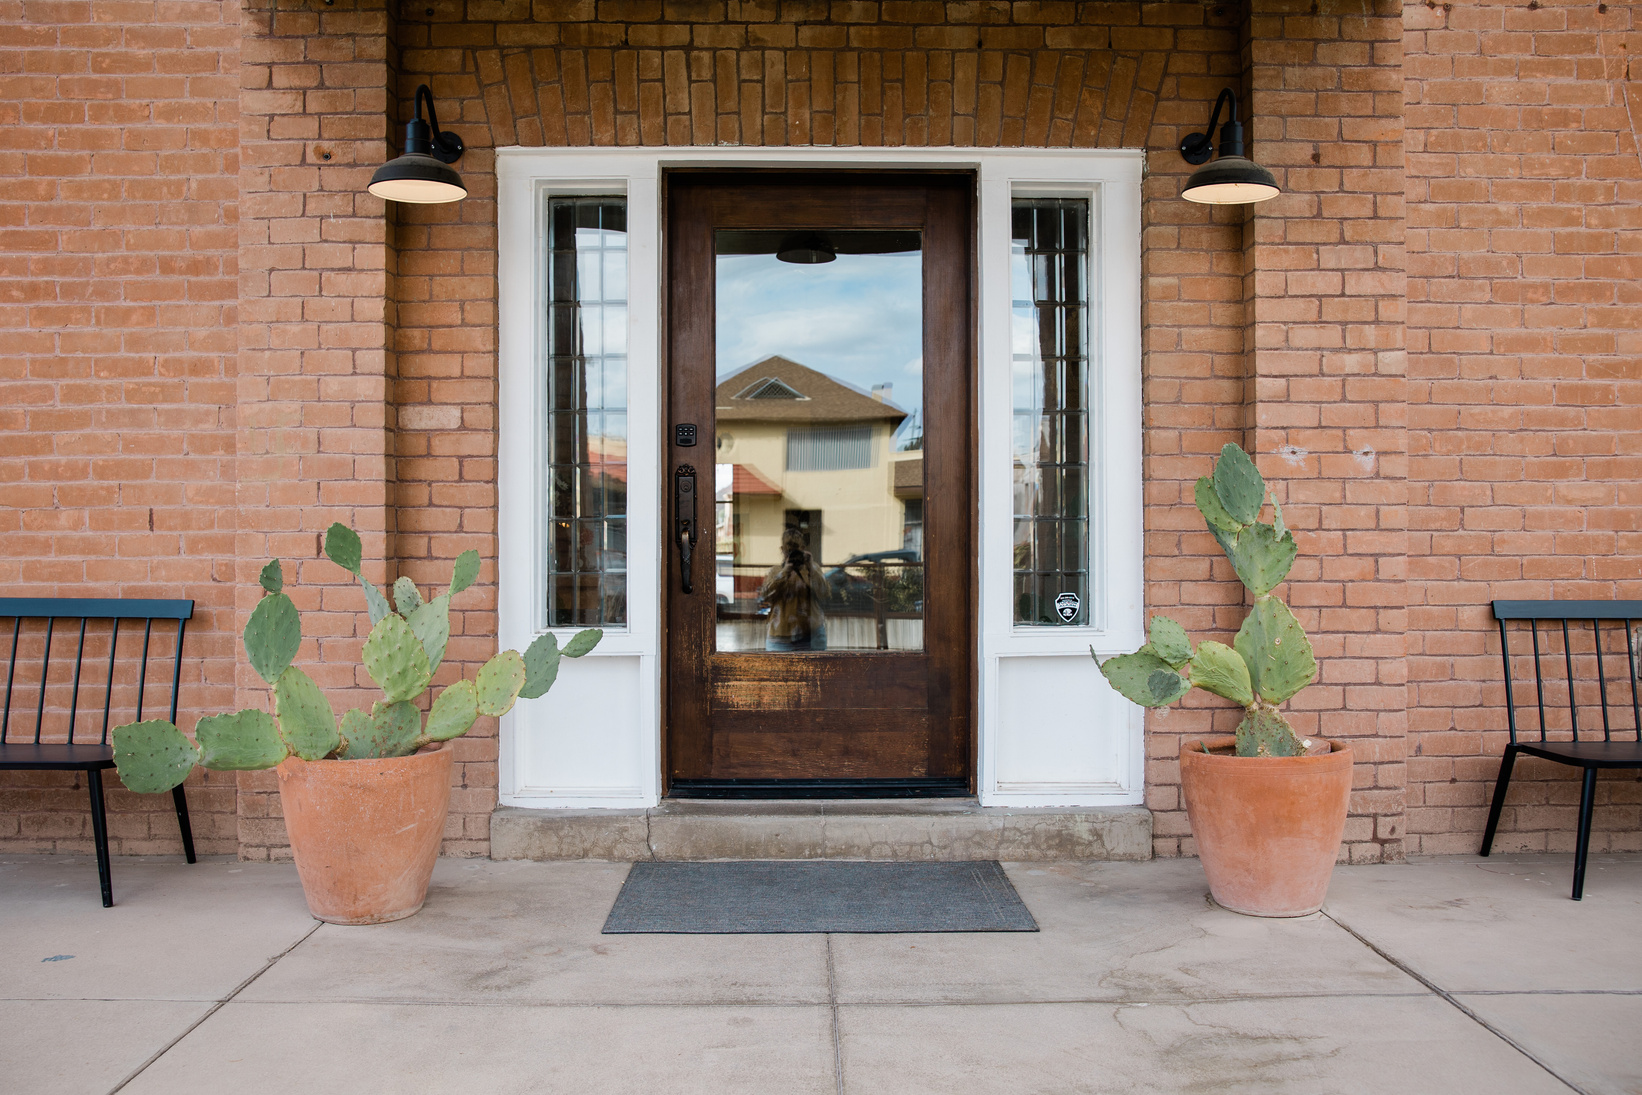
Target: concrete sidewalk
[{"x": 1447, "y": 976}]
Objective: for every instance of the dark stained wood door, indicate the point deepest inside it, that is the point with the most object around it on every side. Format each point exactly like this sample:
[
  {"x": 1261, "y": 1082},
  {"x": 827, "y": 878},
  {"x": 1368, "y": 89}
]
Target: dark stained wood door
[{"x": 849, "y": 719}]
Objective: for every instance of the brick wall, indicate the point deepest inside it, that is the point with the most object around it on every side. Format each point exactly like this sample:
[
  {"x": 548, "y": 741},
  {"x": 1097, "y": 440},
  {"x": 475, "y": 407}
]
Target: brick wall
[
  {"x": 1525, "y": 376},
  {"x": 162, "y": 150},
  {"x": 118, "y": 134}
]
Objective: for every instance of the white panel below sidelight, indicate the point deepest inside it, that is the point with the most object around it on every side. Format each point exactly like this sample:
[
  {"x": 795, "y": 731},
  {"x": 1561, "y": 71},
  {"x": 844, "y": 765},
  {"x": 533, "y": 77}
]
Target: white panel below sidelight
[
  {"x": 1064, "y": 737},
  {"x": 576, "y": 745}
]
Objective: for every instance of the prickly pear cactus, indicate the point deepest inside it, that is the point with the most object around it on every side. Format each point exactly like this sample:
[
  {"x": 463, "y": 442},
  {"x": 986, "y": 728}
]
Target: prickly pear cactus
[
  {"x": 1270, "y": 660},
  {"x": 405, "y": 648}
]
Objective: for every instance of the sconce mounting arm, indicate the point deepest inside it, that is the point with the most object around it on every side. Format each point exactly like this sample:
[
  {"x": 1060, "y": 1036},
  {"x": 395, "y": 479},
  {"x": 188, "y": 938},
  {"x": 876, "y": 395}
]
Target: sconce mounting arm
[{"x": 1196, "y": 148}]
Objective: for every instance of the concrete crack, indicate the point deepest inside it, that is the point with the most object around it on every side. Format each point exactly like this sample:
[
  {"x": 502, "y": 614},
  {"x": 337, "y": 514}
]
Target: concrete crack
[
  {"x": 214, "y": 1008},
  {"x": 1454, "y": 1001},
  {"x": 832, "y": 1005}
]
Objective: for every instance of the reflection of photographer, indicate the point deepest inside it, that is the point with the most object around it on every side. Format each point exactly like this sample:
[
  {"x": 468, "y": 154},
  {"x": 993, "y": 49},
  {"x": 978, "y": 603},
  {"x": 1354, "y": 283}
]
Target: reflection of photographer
[{"x": 794, "y": 590}]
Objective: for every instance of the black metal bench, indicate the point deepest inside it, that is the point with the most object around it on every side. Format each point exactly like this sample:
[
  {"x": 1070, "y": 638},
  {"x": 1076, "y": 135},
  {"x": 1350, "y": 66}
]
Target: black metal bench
[
  {"x": 1580, "y": 690},
  {"x": 68, "y": 754}
]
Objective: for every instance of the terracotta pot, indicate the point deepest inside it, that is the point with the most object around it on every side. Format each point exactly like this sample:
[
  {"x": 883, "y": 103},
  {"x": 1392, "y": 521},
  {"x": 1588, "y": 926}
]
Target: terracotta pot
[
  {"x": 365, "y": 833},
  {"x": 1268, "y": 829}
]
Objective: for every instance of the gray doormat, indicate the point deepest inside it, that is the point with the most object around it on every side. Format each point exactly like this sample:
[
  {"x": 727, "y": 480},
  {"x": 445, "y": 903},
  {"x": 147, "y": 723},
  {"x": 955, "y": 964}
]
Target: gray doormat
[{"x": 782, "y": 896}]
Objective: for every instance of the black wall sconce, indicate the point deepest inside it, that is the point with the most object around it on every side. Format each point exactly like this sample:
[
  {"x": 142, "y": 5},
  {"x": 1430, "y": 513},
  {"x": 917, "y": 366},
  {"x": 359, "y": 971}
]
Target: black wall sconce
[
  {"x": 806, "y": 248},
  {"x": 1231, "y": 179},
  {"x": 422, "y": 175}
]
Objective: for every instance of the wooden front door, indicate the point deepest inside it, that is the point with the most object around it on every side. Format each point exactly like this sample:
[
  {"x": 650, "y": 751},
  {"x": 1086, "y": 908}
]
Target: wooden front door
[{"x": 821, "y": 483}]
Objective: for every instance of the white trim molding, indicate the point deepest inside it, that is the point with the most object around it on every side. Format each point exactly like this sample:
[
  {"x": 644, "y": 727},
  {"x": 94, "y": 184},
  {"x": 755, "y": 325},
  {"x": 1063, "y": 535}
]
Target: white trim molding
[{"x": 1051, "y": 732}]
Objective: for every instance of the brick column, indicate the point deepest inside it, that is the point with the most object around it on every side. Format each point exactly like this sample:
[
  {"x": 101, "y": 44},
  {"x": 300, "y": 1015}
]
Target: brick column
[
  {"x": 1327, "y": 370},
  {"x": 316, "y": 365}
]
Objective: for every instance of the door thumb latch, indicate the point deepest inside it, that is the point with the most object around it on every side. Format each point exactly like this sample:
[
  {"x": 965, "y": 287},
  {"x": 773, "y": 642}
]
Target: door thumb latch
[{"x": 684, "y": 518}]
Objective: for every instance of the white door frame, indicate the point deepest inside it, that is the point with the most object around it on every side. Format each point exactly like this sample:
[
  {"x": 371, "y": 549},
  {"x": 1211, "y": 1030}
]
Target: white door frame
[{"x": 1051, "y": 731}]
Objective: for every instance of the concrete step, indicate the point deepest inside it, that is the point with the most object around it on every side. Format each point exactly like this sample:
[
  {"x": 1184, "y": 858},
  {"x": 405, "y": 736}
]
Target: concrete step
[{"x": 824, "y": 829}]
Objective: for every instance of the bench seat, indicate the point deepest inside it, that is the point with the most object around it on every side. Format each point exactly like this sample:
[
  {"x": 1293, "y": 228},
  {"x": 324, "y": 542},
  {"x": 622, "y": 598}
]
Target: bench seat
[{"x": 62, "y": 758}]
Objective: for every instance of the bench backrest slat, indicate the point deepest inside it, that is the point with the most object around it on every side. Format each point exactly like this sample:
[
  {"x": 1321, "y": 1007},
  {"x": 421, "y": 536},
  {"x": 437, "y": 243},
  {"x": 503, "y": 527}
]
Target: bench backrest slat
[
  {"x": 52, "y": 609},
  {"x": 96, "y": 608},
  {"x": 1565, "y": 615}
]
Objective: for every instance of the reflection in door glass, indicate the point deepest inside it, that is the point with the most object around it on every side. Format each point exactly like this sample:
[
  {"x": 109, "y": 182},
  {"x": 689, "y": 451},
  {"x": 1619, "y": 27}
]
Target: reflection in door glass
[{"x": 819, "y": 482}]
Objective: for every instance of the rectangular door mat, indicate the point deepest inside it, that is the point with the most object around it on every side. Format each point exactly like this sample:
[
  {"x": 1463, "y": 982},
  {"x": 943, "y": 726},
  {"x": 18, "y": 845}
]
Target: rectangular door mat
[{"x": 782, "y": 896}]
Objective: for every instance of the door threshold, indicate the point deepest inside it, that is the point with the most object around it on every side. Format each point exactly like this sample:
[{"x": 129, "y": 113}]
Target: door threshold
[
  {"x": 775, "y": 789},
  {"x": 927, "y": 829}
]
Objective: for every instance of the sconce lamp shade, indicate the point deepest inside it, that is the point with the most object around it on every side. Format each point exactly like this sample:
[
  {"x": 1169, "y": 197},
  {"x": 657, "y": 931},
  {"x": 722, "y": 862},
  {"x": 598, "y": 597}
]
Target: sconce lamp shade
[
  {"x": 422, "y": 175},
  {"x": 1230, "y": 180},
  {"x": 417, "y": 180}
]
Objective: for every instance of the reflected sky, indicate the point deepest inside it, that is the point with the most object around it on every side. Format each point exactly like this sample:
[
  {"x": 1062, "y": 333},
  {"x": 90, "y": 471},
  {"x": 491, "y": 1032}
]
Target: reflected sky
[{"x": 858, "y": 319}]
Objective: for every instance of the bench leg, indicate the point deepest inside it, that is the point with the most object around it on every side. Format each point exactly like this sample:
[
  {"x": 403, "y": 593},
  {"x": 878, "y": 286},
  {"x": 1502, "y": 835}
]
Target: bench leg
[
  {"x": 1505, "y": 764},
  {"x": 99, "y": 835},
  {"x": 181, "y": 801},
  {"x": 1587, "y": 799}
]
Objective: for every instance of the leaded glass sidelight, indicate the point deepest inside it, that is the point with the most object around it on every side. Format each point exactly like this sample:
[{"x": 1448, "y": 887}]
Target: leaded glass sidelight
[
  {"x": 584, "y": 399},
  {"x": 1049, "y": 261}
]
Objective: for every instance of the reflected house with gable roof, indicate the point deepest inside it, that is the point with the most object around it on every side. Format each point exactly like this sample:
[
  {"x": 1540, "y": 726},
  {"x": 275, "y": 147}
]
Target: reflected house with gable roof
[{"x": 797, "y": 448}]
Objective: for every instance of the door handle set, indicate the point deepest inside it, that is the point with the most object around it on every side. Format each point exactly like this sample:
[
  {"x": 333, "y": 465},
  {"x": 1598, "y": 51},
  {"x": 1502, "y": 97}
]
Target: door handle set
[{"x": 685, "y": 527}]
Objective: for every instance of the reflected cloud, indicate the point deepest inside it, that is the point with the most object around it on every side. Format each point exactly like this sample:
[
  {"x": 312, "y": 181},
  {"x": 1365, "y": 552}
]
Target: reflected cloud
[{"x": 858, "y": 319}]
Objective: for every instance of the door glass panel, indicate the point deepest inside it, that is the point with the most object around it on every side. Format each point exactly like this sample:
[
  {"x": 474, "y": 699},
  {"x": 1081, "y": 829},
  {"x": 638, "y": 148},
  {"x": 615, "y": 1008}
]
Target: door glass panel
[
  {"x": 1050, "y": 386},
  {"x": 583, "y": 396},
  {"x": 819, "y": 475}
]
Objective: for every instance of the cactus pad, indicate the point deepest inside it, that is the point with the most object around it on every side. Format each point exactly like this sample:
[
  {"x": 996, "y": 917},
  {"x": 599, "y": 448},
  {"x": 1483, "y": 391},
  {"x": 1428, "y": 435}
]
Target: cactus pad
[
  {"x": 153, "y": 756},
  {"x": 1218, "y": 668},
  {"x": 499, "y": 682},
  {"x": 356, "y": 736},
  {"x": 376, "y": 605},
  {"x": 1262, "y": 558},
  {"x": 465, "y": 571},
  {"x": 1221, "y": 523},
  {"x": 306, "y": 721},
  {"x": 272, "y": 578},
  {"x": 453, "y": 712},
  {"x": 1169, "y": 642},
  {"x": 1275, "y": 647},
  {"x": 395, "y": 730},
  {"x": 272, "y": 636},
  {"x": 1265, "y": 733},
  {"x": 1144, "y": 678},
  {"x": 1238, "y": 484},
  {"x": 541, "y": 666},
  {"x": 583, "y": 642},
  {"x": 394, "y": 658},
  {"x": 431, "y": 625},
  {"x": 342, "y": 547},
  {"x": 406, "y": 597},
  {"x": 246, "y": 741}
]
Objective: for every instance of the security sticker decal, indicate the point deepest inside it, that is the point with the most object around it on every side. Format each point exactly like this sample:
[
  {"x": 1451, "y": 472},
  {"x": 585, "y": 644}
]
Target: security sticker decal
[{"x": 1068, "y": 604}]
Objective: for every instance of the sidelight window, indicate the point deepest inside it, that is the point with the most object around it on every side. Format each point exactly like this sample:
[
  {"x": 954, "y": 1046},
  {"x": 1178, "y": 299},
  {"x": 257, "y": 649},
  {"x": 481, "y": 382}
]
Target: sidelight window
[
  {"x": 584, "y": 406},
  {"x": 1049, "y": 378}
]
